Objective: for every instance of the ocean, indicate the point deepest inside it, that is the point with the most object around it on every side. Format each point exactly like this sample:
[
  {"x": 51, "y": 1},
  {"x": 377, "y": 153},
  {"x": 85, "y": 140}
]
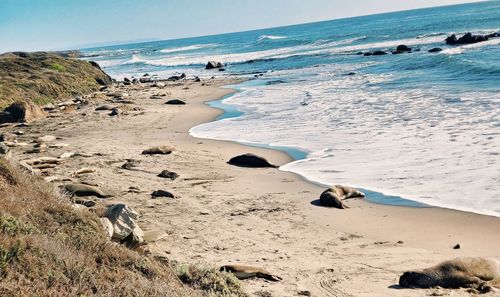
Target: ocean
[{"x": 410, "y": 129}]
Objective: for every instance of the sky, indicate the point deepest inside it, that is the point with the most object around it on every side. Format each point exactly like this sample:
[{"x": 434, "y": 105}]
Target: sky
[{"x": 31, "y": 25}]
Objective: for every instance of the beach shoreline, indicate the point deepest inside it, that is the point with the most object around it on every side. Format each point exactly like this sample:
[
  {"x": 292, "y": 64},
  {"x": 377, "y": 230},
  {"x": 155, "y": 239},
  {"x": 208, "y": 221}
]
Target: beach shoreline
[{"x": 262, "y": 217}]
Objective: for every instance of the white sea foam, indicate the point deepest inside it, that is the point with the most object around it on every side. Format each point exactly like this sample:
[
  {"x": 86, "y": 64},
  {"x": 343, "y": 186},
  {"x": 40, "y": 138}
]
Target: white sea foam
[
  {"x": 410, "y": 143},
  {"x": 270, "y": 37},
  {"x": 187, "y": 48}
]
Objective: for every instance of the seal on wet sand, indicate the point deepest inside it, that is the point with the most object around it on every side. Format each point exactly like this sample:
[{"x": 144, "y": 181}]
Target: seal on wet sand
[{"x": 244, "y": 272}]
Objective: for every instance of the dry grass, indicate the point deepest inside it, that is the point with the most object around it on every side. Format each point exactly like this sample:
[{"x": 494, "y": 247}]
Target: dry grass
[
  {"x": 210, "y": 280},
  {"x": 48, "y": 248},
  {"x": 45, "y": 77}
]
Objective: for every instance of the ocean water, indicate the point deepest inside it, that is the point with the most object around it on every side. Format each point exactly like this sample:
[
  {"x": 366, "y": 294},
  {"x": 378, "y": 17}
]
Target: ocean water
[{"x": 421, "y": 126}]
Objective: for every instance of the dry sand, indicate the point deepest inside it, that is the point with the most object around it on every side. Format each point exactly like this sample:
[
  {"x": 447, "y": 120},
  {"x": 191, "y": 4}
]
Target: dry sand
[{"x": 262, "y": 217}]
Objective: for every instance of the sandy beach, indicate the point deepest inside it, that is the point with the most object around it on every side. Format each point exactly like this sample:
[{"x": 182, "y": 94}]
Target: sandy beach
[{"x": 268, "y": 218}]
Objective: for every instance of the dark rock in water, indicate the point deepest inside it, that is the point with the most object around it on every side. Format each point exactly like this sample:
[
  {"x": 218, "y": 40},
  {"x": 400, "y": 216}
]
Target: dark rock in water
[
  {"x": 251, "y": 160},
  {"x": 435, "y": 50},
  {"x": 175, "y": 102},
  {"x": 367, "y": 54},
  {"x": 379, "y": 53},
  {"x": 168, "y": 174},
  {"x": 493, "y": 35},
  {"x": 359, "y": 53},
  {"x": 403, "y": 48},
  {"x": 21, "y": 111},
  {"x": 457, "y": 247},
  {"x": 222, "y": 69},
  {"x": 197, "y": 79},
  {"x": 145, "y": 75},
  {"x": 350, "y": 73},
  {"x": 126, "y": 80},
  {"x": 468, "y": 38},
  {"x": 213, "y": 65},
  {"x": 162, "y": 193},
  {"x": 146, "y": 79}
]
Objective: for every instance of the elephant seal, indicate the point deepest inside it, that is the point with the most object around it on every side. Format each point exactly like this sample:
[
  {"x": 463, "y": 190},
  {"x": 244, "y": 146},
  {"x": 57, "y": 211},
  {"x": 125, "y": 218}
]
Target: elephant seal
[
  {"x": 244, "y": 272},
  {"x": 251, "y": 160},
  {"x": 477, "y": 273},
  {"x": 335, "y": 195},
  {"x": 159, "y": 150},
  {"x": 84, "y": 190}
]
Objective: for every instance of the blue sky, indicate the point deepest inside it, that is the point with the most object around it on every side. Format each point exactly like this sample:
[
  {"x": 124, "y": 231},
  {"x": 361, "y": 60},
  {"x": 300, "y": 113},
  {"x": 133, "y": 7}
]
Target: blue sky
[{"x": 61, "y": 24}]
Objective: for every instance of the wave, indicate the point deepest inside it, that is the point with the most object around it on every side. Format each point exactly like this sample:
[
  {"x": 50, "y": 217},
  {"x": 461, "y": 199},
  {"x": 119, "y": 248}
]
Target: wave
[
  {"x": 187, "y": 48},
  {"x": 270, "y": 37}
]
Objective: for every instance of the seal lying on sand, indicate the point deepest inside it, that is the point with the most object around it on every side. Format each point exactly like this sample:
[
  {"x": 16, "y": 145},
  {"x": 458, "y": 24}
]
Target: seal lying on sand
[
  {"x": 159, "y": 150},
  {"x": 84, "y": 190},
  {"x": 244, "y": 272},
  {"x": 477, "y": 273},
  {"x": 250, "y": 160},
  {"x": 333, "y": 197}
]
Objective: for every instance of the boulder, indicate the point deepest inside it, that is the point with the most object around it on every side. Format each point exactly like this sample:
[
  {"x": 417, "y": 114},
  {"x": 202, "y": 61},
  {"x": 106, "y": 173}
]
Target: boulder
[
  {"x": 403, "y": 48},
  {"x": 162, "y": 193},
  {"x": 82, "y": 190},
  {"x": 379, "y": 53},
  {"x": 168, "y": 174},
  {"x": 159, "y": 150},
  {"x": 107, "y": 226},
  {"x": 175, "y": 102},
  {"x": 134, "y": 239},
  {"x": 251, "y": 160},
  {"x": 21, "y": 111},
  {"x": 435, "y": 50},
  {"x": 213, "y": 65},
  {"x": 123, "y": 219},
  {"x": 334, "y": 196},
  {"x": 4, "y": 149},
  {"x": 467, "y": 38}
]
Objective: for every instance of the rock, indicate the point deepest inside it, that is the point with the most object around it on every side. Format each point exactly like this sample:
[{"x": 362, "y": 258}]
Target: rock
[
  {"x": 435, "y": 50},
  {"x": 107, "y": 226},
  {"x": 197, "y": 79},
  {"x": 134, "y": 239},
  {"x": 4, "y": 149},
  {"x": 168, "y": 174},
  {"x": 213, "y": 65},
  {"x": 251, "y": 160},
  {"x": 162, "y": 193},
  {"x": 21, "y": 111},
  {"x": 403, "y": 48},
  {"x": 105, "y": 107},
  {"x": 175, "y": 102},
  {"x": 457, "y": 247},
  {"x": 468, "y": 38},
  {"x": 45, "y": 139},
  {"x": 154, "y": 235},
  {"x": 123, "y": 219},
  {"x": 159, "y": 150},
  {"x": 115, "y": 112},
  {"x": 379, "y": 53},
  {"x": 334, "y": 196},
  {"x": 82, "y": 190}
]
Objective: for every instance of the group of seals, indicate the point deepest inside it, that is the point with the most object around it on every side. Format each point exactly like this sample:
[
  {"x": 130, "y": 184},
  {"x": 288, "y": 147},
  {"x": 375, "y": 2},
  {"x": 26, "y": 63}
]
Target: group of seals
[
  {"x": 477, "y": 273},
  {"x": 334, "y": 196}
]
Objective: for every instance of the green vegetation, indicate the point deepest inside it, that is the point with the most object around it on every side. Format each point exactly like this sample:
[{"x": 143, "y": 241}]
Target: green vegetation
[
  {"x": 45, "y": 77},
  {"x": 211, "y": 280}
]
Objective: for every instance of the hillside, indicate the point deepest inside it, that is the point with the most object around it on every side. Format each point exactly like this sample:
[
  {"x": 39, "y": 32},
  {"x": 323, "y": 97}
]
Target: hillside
[{"x": 43, "y": 77}]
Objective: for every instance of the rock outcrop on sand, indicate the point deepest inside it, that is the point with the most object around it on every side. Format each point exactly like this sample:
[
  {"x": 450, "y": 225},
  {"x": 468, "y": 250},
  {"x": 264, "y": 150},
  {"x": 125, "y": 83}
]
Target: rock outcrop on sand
[
  {"x": 125, "y": 228},
  {"x": 476, "y": 273},
  {"x": 20, "y": 112},
  {"x": 214, "y": 65},
  {"x": 159, "y": 150},
  {"x": 251, "y": 160},
  {"x": 334, "y": 196}
]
